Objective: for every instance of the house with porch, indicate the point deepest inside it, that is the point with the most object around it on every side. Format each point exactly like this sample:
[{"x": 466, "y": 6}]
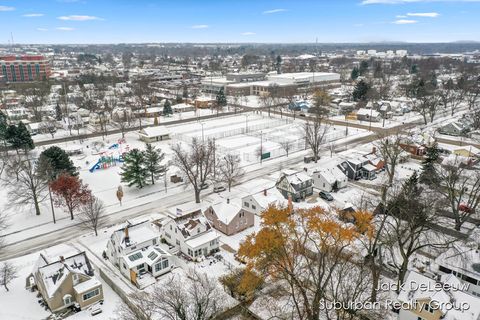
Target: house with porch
[
  {"x": 65, "y": 282},
  {"x": 136, "y": 251},
  {"x": 191, "y": 233},
  {"x": 295, "y": 185}
]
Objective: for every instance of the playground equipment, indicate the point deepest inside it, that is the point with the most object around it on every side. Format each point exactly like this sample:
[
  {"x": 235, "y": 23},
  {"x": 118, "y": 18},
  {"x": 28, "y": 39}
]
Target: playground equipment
[{"x": 112, "y": 156}]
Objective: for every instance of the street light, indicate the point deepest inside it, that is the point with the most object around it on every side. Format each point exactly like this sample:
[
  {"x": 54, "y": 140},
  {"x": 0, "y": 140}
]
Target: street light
[
  {"x": 246, "y": 123},
  {"x": 202, "y": 123}
]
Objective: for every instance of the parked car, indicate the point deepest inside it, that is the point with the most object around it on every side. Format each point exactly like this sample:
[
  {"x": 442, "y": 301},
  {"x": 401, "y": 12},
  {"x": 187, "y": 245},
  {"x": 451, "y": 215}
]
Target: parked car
[
  {"x": 219, "y": 189},
  {"x": 325, "y": 195},
  {"x": 204, "y": 186}
]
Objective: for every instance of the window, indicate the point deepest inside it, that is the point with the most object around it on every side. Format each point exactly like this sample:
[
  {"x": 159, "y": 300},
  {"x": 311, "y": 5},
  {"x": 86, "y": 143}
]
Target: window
[
  {"x": 67, "y": 300},
  {"x": 246, "y": 204},
  {"x": 165, "y": 264},
  {"x": 91, "y": 294},
  {"x": 155, "y": 241},
  {"x": 170, "y": 227},
  {"x": 254, "y": 207},
  {"x": 190, "y": 253},
  {"x": 152, "y": 256},
  {"x": 428, "y": 308},
  {"x": 75, "y": 278},
  {"x": 177, "y": 242},
  {"x": 168, "y": 235},
  {"x": 213, "y": 242},
  {"x": 124, "y": 266},
  {"x": 135, "y": 256}
]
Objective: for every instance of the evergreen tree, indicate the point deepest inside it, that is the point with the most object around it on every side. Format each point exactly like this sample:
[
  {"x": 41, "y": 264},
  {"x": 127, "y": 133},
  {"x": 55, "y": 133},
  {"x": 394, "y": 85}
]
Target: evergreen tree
[
  {"x": 278, "y": 64},
  {"x": 153, "y": 157},
  {"x": 360, "y": 91},
  {"x": 167, "y": 108},
  {"x": 363, "y": 67},
  {"x": 19, "y": 137},
  {"x": 58, "y": 113},
  {"x": 3, "y": 129},
  {"x": 221, "y": 99},
  {"x": 355, "y": 73},
  {"x": 429, "y": 174},
  {"x": 133, "y": 169},
  {"x": 55, "y": 161}
]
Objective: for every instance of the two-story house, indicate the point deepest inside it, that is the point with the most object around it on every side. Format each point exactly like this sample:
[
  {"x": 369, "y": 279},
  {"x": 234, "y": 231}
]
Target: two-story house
[
  {"x": 329, "y": 178},
  {"x": 135, "y": 250},
  {"x": 464, "y": 263},
  {"x": 66, "y": 282},
  {"x": 422, "y": 298},
  {"x": 229, "y": 218},
  {"x": 192, "y": 234},
  {"x": 295, "y": 185},
  {"x": 260, "y": 201}
]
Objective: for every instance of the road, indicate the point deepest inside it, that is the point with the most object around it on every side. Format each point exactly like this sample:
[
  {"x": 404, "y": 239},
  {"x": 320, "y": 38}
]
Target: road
[{"x": 31, "y": 244}]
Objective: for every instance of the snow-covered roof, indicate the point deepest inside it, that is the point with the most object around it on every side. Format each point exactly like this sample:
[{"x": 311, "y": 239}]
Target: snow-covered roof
[
  {"x": 269, "y": 197},
  {"x": 55, "y": 273},
  {"x": 155, "y": 131},
  {"x": 149, "y": 256},
  {"x": 368, "y": 112},
  {"x": 87, "y": 285},
  {"x": 137, "y": 233},
  {"x": 462, "y": 259},
  {"x": 419, "y": 287},
  {"x": 202, "y": 239},
  {"x": 226, "y": 211},
  {"x": 295, "y": 177}
]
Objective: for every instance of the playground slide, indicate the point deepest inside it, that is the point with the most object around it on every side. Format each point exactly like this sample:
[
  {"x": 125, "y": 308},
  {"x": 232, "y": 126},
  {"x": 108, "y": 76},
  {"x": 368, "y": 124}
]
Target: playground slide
[{"x": 96, "y": 166}]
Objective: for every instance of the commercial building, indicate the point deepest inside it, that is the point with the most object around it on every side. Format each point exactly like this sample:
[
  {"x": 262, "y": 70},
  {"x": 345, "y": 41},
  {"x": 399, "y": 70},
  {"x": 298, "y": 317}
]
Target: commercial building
[{"x": 24, "y": 68}]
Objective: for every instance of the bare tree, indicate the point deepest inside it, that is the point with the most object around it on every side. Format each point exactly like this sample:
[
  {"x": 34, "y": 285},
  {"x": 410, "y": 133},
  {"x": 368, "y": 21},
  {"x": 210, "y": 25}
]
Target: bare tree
[
  {"x": 390, "y": 151},
  {"x": 142, "y": 91},
  {"x": 286, "y": 145},
  {"x": 229, "y": 169},
  {"x": 3, "y": 226},
  {"x": 194, "y": 297},
  {"x": 411, "y": 214},
  {"x": 123, "y": 120},
  {"x": 461, "y": 190},
  {"x": 315, "y": 129},
  {"x": 8, "y": 273},
  {"x": 196, "y": 164},
  {"x": 26, "y": 186},
  {"x": 92, "y": 214}
]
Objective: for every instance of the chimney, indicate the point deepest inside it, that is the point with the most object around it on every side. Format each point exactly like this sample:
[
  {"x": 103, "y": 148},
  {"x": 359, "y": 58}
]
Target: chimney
[
  {"x": 127, "y": 238},
  {"x": 290, "y": 204},
  {"x": 265, "y": 192},
  {"x": 374, "y": 150},
  {"x": 62, "y": 259},
  {"x": 228, "y": 200}
]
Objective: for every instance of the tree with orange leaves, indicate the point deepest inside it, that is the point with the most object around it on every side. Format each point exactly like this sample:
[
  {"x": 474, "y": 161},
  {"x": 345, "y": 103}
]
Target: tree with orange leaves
[
  {"x": 303, "y": 250},
  {"x": 70, "y": 191}
]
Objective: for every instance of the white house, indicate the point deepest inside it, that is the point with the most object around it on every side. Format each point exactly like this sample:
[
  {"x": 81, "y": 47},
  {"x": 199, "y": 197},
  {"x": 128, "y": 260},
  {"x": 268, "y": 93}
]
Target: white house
[
  {"x": 135, "y": 250},
  {"x": 152, "y": 134},
  {"x": 258, "y": 202},
  {"x": 464, "y": 263},
  {"x": 329, "y": 178},
  {"x": 192, "y": 234},
  {"x": 423, "y": 298}
]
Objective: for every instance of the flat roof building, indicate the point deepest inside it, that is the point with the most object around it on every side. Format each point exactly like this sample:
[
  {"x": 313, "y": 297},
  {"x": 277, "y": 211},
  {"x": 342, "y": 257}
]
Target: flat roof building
[{"x": 24, "y": 68}]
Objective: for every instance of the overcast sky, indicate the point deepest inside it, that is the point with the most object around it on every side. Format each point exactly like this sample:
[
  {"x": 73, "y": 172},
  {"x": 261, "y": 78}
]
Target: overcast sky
[{"x": 115, "y": 21}]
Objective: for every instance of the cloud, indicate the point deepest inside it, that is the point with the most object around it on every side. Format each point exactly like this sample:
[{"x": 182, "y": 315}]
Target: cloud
[
  {"x": 200, "y": 26},
  {"x": 78, "y": 18},
  {"x": 274, "y": 11},
  {"x": 424, "y": 14},
  {"x": 400, "y": 16},
  {"x": 42, "y": 29},
  {"x": 33, "y": 15},
  {"x": 6, "y": 8},
  {"x": 65, "y": 29},
  {"x": 248, "y": 33},
  {"x": 365, "y": 2},
  {"x": 405, "y": 21}
]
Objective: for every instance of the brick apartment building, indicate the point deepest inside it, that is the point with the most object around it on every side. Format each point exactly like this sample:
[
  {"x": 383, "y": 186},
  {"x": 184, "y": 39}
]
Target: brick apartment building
[{"x": 24, "y": 68}]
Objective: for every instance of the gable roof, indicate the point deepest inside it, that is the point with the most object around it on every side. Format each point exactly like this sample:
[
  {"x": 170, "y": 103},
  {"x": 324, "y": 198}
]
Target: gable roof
[
  {"x": 226, "y": 212},
  {"x": 54, "y": 274}
]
